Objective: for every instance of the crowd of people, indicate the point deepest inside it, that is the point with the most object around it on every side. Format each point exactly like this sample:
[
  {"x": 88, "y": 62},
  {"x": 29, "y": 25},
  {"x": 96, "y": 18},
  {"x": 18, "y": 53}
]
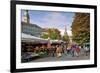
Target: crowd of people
[{"x": 57, "y": 50}]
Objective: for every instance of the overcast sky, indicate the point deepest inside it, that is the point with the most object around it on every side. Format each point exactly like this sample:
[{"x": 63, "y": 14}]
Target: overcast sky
[{"x": 50, "y": 19}]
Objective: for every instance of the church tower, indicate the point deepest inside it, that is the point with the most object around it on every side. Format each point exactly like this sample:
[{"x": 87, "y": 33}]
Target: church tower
[
  {"x": 65, "y": 33},
  {"x": 26, "y": 17}
]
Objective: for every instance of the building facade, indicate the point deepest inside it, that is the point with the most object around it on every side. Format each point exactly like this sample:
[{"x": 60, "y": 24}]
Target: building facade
[{"x": 31, "y": 29}]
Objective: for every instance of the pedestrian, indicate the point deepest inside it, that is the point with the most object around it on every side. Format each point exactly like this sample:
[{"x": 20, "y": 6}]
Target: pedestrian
[
  {"x": 86, "y": 50},
  {"x": 59, "y": 51},
  {"x": 69, "y": 49},
  {"x": 77, "y": 51},
  {"x": 53, "y": 51},
  {"x": 73, "y": 50}
]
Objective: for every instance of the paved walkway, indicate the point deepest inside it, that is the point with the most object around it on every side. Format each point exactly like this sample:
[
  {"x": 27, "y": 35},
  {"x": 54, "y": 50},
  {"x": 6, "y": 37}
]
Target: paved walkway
[{"x": 62, "y": 58}]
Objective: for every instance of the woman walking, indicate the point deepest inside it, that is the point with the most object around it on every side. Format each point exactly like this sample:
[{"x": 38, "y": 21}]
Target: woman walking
[
  {"x": 59, "y": 51},
  {"x": 77, "y": 51}
]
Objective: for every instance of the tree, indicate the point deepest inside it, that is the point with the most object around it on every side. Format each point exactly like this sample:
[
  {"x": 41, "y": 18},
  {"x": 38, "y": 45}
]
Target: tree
[
  {"x": 81, "y": 28},
  {"x": 65, "y": 38},
  {"x": 44, "y": 35},
  {"x": 52, "y": 33}
]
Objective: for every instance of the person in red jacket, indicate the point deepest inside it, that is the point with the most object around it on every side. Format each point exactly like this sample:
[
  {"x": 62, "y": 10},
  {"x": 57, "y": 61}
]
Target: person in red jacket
[{"x": 77, "y": 50}]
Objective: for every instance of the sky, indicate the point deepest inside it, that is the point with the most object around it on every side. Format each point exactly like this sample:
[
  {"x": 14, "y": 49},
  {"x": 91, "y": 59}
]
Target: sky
[{"x": 51, "y": 19}]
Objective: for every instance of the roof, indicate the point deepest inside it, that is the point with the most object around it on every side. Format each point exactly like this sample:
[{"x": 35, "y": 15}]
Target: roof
[
  {"x": 30, "y": 38},
  {"x": 30, "y": 24}
]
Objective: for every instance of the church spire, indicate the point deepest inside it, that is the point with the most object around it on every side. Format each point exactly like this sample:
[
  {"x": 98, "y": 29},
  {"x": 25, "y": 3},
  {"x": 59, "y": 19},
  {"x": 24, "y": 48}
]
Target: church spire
[
  {"x": 65, "y": 30},
  {"x": 26, "y": 16}
]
